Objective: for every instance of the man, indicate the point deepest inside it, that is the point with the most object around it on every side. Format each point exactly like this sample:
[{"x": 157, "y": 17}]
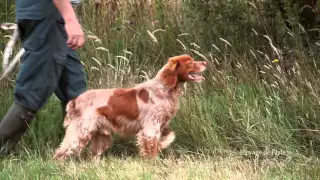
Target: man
[{"x": 50, "y": 33}]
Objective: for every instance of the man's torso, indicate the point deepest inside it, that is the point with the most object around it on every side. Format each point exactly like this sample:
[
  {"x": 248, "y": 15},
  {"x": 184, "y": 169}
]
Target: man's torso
[{"x": 34, "y": 9}]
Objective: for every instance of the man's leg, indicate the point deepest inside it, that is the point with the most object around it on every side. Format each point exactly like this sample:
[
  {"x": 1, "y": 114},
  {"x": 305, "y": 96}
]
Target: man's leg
[
  {"x": 19, "y": 116},
  {"x": 72, "y": 83},
  {"x": 38, "y": 77},
  {"x": 73, "y": 78}
]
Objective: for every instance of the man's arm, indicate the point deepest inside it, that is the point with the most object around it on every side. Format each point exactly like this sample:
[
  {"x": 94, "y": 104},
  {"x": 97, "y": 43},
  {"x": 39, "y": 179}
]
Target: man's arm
[{"x": 73, "y": 28}]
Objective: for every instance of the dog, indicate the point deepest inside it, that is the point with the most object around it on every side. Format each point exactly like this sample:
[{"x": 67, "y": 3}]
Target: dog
[{"x": 143, "y": 111}]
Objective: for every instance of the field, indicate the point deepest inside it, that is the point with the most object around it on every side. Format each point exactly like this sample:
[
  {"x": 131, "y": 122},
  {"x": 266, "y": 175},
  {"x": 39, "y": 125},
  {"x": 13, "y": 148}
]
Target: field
[
  {"x": 32, "y": 165},
  {"x": 256, "y": 116}
]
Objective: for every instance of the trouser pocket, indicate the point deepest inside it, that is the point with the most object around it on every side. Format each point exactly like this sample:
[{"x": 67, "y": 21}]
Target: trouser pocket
[{"x": 32, "y": 33}]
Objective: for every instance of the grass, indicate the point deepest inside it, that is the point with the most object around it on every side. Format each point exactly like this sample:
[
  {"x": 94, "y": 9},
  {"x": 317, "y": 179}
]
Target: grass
[
  {"x": 31, "y": 165},
  {"x": 208, "y": 146},
  {"x": 252, "y": 118}
]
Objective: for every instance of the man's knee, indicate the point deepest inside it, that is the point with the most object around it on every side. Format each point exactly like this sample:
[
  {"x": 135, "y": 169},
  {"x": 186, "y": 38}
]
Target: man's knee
[
  {"x": 35, "y": 84},
  {"x": 32, "y": 98}
]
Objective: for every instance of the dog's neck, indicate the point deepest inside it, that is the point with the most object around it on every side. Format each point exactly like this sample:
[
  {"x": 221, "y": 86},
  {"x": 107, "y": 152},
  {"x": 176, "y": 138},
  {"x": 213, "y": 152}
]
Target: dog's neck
[
  {"x": 168, "y": 90},
  {"x": 158, "y": 86}
]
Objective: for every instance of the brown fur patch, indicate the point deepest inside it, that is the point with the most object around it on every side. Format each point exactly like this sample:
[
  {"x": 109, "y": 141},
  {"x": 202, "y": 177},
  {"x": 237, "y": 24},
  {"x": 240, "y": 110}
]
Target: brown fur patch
[
  {"x": 110, "y": 116},
  {"x": 144, "y": 95},
  {"x": 148, "y": 146},
  {"x": 122, "y": 103}
]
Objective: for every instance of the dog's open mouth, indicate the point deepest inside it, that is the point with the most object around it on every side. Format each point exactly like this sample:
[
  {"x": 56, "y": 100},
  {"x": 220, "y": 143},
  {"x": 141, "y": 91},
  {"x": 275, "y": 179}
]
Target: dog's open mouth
[{"x": 195, "y": 76}]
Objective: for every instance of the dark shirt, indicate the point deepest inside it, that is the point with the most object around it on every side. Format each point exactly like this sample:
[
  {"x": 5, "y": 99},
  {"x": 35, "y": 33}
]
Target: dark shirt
[{"x": 35, "y": 9}]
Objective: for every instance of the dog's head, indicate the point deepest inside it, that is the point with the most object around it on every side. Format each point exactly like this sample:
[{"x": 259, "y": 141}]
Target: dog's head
[{"x": 181, "y": 69}]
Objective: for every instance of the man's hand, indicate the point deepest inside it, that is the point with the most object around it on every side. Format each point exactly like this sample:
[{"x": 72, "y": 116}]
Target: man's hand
[
  {"x": 74, "y": 31},
  {"x": 75, "y": 35}
]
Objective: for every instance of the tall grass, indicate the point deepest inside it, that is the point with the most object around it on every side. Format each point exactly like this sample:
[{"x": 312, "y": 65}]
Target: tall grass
[{"x": 248, "y": 102}]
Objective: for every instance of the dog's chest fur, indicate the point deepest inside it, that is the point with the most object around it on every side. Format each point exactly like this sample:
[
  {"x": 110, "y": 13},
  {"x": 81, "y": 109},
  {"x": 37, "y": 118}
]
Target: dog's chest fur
[{"x": 162, "y": 102}]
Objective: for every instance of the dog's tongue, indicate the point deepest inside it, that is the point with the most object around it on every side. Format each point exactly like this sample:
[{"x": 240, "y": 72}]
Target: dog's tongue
[{"x": 196, "y": 77}]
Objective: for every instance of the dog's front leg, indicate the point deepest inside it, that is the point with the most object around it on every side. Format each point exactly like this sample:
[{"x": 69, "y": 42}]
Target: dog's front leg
[
  {"x": 167, "y": 137},
  {"x": 148, "y": 139}
]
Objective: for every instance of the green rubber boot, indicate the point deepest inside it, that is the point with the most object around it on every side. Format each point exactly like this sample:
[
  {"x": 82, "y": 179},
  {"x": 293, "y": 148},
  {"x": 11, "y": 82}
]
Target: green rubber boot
[{"x": 13, "y": 126}]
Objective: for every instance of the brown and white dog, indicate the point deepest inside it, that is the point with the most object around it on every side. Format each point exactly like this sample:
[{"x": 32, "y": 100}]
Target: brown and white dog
[{"x": 144, "y": 111}]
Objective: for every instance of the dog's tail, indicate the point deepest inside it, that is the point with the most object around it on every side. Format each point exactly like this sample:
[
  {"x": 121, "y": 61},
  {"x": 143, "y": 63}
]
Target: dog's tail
[
  {"x": 71, "y": 111},
  {"x": 71, "y": 105}
]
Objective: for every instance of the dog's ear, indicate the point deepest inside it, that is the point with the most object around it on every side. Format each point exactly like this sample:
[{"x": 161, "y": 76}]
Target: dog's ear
[
  {"x": 169, "y": 75},
  {"x": 173, "y": 64}
]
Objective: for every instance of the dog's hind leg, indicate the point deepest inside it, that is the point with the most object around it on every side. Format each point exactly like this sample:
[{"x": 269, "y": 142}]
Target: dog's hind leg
[
  {"x": 78, "y": 134},
  {"x": 100, "y": 142},
  {"x": 65, "y": 148}
]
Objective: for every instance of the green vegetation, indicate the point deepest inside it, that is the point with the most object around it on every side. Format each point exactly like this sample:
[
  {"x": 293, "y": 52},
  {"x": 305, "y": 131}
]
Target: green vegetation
[{"x": 252, "y": 118}]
